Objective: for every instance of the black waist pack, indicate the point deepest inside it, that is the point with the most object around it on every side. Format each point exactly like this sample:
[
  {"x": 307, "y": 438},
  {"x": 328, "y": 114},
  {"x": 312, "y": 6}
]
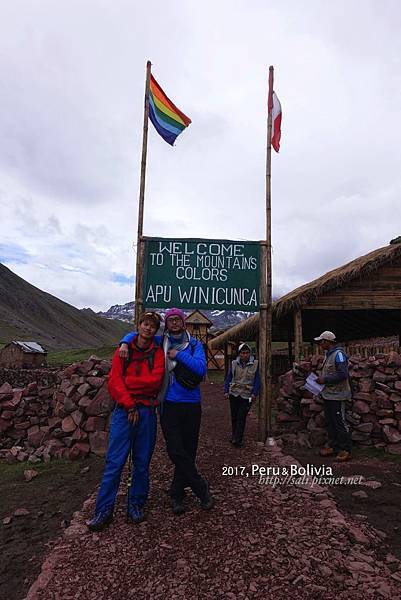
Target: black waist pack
[{"x": 185, "y": 377}]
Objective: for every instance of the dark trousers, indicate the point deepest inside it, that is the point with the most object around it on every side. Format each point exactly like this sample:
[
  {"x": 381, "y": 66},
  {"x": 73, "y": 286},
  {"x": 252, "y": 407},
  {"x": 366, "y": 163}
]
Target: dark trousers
[
  {"x": 180, "y": 423},
  {"x": 239, "y": 410},
  {"x": 337, "y": 429}
]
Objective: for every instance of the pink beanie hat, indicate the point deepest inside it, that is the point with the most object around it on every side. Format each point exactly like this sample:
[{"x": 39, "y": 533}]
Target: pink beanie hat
[{"x": 175, "y": 312}]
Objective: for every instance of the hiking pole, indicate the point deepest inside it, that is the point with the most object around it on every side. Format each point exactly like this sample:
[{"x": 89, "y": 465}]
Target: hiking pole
[{"x": 129, "y": 480}]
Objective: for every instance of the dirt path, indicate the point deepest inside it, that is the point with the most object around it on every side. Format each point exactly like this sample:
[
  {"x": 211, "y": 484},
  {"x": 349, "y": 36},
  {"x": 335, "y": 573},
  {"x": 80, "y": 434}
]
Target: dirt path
[{"x": 259, "y": 541}]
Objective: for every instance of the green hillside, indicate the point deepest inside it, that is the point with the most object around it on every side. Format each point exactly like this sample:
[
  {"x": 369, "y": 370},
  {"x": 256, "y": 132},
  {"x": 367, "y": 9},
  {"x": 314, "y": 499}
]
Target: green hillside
[{"x": 27, "y": 313}]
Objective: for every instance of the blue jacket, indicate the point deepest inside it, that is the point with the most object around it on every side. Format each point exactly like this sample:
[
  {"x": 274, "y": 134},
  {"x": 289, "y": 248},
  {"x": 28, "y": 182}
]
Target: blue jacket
[{"x": 192, "y": 357}]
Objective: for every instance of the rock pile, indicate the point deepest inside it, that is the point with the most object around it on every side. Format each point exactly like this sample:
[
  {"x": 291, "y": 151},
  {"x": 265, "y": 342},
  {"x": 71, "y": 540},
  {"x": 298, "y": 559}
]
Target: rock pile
[
  {"x": 19, "y": 378},
  {"x": 66, "y": 420},
  {"x": 374, "y": 414}
]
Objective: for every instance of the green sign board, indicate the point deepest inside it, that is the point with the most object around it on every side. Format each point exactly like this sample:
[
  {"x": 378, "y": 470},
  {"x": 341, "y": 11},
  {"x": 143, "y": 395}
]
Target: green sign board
[{"x": 198, "y": 273}]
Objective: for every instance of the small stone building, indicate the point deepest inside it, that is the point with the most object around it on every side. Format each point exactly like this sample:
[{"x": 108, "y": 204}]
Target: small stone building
[{"x": 23, "y": 355}]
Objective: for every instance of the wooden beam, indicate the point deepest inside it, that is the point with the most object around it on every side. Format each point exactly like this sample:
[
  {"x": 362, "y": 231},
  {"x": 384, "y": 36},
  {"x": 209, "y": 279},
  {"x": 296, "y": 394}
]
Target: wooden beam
[
  {"x": 140, "y": 248},
  {"x": 298, "y": 335},
  {"x": 226, "y": 359},
  {"x": 399, "y": 334}
]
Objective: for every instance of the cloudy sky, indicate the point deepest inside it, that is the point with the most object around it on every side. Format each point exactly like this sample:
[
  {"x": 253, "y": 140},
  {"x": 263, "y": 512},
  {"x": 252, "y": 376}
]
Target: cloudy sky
[{"x": 71, "y": 111}]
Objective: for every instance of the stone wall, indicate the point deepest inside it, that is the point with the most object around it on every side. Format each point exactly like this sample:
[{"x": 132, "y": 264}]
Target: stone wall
[
  {"x": 66, "y": 418},
  {"x": 373, "y": 414},
  {"x": 19, "y": 378}
]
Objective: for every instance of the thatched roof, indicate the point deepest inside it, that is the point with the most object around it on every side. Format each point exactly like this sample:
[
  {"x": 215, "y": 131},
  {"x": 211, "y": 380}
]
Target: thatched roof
[
  {"x": 309, "y": 293},
  {"x": 246, "y": 331}
]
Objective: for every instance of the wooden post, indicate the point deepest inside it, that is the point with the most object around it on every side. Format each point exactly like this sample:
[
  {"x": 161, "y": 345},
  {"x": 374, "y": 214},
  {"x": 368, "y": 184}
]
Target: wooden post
[
  {"x": 269, "y": 257},
  {"x": 262, "y": 356},
  {"x": 265, "y": 319},
  {"x": 298, "y": 335},
  {"x": 140, "y": 248},
  {"x": 226, "y": 359}
]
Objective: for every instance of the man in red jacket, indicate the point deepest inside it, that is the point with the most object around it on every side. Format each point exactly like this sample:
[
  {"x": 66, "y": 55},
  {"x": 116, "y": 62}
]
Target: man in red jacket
[{"x": 133, "y": 385}]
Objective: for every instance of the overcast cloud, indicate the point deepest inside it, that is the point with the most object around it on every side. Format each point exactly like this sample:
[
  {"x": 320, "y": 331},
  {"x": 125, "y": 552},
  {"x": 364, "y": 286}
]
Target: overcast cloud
[{"x": 71, "y": 111}]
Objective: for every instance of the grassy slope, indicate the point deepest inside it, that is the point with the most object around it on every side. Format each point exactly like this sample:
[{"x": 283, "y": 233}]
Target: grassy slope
[
  {"x": 27, "y": 313},
  {"x": 66, "y": 357}
]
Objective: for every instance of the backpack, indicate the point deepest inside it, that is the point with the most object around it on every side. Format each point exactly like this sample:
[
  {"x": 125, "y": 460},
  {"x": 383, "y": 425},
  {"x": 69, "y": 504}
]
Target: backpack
[
  {"x": 184, "y": 376},
  {"x": 150, "y": 357}
]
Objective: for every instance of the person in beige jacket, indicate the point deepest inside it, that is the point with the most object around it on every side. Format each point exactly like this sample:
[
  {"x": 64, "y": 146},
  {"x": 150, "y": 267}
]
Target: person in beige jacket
[
  {"x": 241, "y": 386},
  {"x": 336, "y": 391}
]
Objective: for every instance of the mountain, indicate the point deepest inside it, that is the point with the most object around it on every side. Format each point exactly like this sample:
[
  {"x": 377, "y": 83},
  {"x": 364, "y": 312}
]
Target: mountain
[
  {"x": 221, "y": 319},
  {"x": 27, "y": 313}
]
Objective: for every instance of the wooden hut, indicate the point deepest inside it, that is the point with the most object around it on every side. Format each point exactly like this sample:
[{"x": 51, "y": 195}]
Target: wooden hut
[
  {"x": 359, "y": 300},
  {"x": 23, "y": 355},
  {"x": 198, "y": 325}
]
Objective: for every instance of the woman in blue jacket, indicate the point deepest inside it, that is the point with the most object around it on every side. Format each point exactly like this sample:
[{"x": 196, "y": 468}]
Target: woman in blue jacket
[{"x": 180, "y": 415}]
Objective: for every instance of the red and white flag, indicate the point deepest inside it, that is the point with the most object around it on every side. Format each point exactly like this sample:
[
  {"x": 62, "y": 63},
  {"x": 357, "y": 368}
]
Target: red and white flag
[{"x": 276, "y": 122}]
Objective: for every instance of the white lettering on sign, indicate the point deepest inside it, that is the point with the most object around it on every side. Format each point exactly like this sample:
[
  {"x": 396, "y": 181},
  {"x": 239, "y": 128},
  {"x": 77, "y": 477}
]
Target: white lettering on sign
[
  {"x": 158, "y": 292},
  {"x": 156, "y": 259},
  {"x": 203, "y": 272},
  {"x": 180, "y": 259},
  {"x": 195, "y": 274},
  {"x": 242, "y": 263},
  {"x": 221, "y": 296}
]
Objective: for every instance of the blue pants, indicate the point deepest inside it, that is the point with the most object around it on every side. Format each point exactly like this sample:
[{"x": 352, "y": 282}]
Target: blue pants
[{"x": 122, "y": 433}]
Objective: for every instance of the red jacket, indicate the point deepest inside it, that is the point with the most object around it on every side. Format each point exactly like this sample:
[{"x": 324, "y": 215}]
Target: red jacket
[{"x": 140, "y": 383}]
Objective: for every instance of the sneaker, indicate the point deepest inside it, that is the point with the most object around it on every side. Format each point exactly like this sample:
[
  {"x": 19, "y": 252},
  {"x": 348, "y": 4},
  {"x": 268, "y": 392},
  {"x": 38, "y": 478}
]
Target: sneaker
[
  {"x": 343, "y": 455},
  {"x": 237, "y": 443},
  {"x": 326, "y": 451},
  {"x": 136, "y": 514},
  {"x": 177, "y": 506},
  {"x": 100, "y": 521}
]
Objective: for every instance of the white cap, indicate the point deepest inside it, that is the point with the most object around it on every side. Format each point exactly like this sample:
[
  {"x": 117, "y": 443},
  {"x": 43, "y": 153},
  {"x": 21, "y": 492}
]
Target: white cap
[
  {"x": 243, "y": 345},
  {"x": 326, "y": 335}
]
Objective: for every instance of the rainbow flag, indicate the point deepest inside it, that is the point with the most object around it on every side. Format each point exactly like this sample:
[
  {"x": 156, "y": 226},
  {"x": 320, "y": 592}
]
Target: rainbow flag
[{"x": 167, "y": 119}]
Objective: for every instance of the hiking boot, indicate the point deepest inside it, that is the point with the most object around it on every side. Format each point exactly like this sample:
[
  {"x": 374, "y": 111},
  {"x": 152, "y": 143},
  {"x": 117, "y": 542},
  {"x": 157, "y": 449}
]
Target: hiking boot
[
  {"x": 342, "y": 456},
  {"x": 177, "y": 506},
  {"x": 136, "y": 514},
  {"x": 100, "y": 521},
  {"x": 326, "y": 451},
  {"x": 207, "y": 501}
]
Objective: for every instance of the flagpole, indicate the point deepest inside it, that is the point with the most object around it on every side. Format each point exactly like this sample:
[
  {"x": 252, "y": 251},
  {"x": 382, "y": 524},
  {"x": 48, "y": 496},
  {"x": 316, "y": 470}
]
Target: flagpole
[
  {"x": 269, "y": 256},
  {"x": 265, "y": 318},
  {"x": 140, "y": 248}
]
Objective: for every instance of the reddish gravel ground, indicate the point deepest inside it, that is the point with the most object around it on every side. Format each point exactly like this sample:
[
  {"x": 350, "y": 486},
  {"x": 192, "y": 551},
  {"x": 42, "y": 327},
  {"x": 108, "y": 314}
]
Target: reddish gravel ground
[
  {"x": 379, "y": 506},
  {"x": 258, "y": 542}
]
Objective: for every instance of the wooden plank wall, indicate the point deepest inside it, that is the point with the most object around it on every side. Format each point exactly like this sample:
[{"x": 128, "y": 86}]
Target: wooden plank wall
[{"x": 379, "y": 289}]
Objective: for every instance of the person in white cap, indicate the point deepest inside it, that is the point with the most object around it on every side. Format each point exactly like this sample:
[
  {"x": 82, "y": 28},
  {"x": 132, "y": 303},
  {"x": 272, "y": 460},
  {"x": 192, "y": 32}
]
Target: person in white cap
[
  {"x": 241, "y": 386},
  {"x": 336, "y": 391}
]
